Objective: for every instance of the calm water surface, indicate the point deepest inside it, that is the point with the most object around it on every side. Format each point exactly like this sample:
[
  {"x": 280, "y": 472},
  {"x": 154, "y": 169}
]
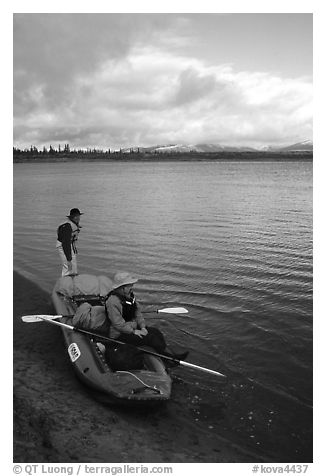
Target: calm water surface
[{"x": 232, "y": 242}]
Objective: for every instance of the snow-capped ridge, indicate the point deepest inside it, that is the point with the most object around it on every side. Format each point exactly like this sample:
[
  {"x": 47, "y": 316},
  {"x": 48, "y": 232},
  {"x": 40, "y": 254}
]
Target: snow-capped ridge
[{"x": 303, "y": 146}]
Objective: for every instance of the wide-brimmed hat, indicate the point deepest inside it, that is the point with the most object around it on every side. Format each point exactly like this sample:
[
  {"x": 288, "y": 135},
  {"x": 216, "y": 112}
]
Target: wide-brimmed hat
[
  {"x": 74, "y": 212},
  {"x": 122, "y": 278}
]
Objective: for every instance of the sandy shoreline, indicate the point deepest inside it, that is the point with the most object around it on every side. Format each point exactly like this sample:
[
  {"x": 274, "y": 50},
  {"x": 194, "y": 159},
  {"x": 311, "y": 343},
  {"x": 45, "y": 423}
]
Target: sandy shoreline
[{"x": 57, "y": 420}]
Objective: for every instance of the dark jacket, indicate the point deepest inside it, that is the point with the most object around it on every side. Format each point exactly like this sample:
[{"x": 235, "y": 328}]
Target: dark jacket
[{"x": 67, "y": 235}]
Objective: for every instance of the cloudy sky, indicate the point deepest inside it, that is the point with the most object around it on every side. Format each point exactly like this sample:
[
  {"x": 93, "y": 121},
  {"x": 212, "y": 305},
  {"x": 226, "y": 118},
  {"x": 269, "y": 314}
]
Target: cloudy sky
[{"x": 128, "y": 80}]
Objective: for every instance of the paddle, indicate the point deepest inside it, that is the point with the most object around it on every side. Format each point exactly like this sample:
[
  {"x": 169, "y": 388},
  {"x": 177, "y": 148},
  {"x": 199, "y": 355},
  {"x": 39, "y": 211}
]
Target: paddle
[
  {"x": 39, "y": 317},
  {"x": 52, "y": 320},
  {"x": 169, "y": 310}
]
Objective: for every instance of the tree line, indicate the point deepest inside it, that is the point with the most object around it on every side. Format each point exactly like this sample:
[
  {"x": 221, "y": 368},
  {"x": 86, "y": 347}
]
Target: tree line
[{"x": 67, "y": 151}]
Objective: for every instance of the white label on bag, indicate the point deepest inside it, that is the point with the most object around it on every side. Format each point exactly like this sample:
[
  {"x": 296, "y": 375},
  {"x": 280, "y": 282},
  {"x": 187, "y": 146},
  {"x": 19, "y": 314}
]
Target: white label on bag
[{"x": 74, "y": 352}]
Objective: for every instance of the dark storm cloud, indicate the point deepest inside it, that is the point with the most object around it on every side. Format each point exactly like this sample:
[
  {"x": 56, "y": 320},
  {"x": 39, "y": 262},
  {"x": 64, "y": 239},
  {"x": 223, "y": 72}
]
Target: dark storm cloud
[
  {"x": 119, "y": 80},
  {"x": 51, "y": 50},
  {"x": 193, "y": 86}
]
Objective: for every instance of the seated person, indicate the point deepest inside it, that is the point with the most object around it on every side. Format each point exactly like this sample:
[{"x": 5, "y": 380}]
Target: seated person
[{"x": 127, "y": 323}]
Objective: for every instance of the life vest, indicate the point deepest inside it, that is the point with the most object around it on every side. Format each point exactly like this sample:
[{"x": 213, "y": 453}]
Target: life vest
[
  {"x": 74, "y": 236},
  {"x": 128, "y": 307}
]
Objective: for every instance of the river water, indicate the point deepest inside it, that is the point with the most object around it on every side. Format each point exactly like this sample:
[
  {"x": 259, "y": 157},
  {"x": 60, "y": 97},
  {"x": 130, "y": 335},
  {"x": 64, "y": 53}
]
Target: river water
[{"x": 231, "y": 242}]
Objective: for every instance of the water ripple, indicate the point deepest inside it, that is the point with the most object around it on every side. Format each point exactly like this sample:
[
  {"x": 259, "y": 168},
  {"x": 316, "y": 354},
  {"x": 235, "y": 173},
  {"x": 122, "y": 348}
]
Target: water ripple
[{"x": 230, "y": 242}]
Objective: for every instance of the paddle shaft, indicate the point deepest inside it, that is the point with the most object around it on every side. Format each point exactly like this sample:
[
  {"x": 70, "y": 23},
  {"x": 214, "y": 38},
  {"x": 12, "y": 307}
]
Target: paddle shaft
[
  {"x": 173, "y": 310},
  {"x": 156, "y": 354}
]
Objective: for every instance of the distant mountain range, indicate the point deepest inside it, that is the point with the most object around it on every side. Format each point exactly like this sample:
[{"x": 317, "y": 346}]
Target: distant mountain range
[{"x": 305, "y": 146}]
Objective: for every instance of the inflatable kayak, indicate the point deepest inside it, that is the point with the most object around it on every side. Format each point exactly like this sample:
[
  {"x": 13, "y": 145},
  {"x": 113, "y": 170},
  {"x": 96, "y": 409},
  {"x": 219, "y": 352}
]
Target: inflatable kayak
[{"x": 150, "y": 384}]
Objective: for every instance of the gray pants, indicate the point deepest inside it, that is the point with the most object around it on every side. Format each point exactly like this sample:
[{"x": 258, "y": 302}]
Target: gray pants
[{"x": 65, "y": 271}]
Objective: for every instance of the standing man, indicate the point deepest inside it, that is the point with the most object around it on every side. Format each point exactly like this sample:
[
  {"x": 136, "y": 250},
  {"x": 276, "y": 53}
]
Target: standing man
[{"x": 67, "y": 235}]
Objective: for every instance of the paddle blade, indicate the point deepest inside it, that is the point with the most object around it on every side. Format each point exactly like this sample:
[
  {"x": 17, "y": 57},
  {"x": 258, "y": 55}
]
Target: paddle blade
[
  {"x": 173, "y": 310},
  {"x": 39, "y": 318},
  {"x": 204, "y": 369}
]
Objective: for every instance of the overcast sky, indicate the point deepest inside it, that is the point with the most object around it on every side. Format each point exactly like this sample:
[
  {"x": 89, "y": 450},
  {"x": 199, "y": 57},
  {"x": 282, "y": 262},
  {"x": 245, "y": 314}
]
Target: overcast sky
[{"x": 121, "y": 80}]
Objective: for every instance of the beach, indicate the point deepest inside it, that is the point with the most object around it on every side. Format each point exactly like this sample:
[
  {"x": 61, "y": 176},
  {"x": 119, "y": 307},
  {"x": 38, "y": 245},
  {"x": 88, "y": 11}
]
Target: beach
[{"x": 57, "y": 420}]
